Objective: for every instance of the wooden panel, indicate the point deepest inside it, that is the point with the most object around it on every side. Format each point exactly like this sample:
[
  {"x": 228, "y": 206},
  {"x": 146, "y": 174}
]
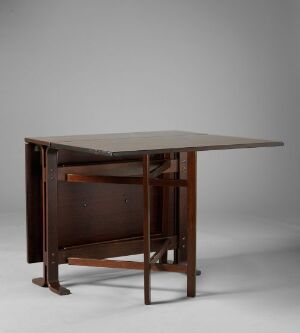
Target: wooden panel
[
  {"x": 149, "y": 142},
  {"x": 92, "y": 212},
  {"x": 101, "y": 212},
  {"x": 33, "y": 204}
]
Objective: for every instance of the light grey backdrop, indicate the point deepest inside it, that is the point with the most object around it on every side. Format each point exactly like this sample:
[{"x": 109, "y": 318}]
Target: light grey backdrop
[{"x": 225, "y": 67}]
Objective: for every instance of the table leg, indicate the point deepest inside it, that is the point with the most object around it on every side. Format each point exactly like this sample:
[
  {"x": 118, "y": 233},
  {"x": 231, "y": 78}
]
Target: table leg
[
  {"x": 191, "y": 226},
  {"x": 165, "y": 210},
  {"x": 147, "y": 267},
  {"x": 42, "y": 281},
  {"x": 180, "y": 254},
  {"x": 51, "y": 224}
]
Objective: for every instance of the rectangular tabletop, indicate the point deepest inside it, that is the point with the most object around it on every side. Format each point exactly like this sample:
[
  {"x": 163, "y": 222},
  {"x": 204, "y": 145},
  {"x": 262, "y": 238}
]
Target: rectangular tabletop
[{"x": 119, "y": 144}]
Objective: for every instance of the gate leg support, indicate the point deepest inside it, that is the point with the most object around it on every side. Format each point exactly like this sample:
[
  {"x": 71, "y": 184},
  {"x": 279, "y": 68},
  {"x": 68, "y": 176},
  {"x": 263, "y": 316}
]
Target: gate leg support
[
  {"x": 147, "y": 265},
  {"x": 191, "y": 227}
]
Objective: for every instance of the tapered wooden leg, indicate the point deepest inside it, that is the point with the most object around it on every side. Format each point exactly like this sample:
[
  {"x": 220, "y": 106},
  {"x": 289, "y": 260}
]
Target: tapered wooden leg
[
  {"x": 147, "y": 266},
  {"x": 51, "y": 224},
  {"x": 191, "y": 227}
]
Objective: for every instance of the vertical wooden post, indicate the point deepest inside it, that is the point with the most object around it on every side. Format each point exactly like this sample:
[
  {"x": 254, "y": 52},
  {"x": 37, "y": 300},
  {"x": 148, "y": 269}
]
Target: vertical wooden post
[
  {"x": 180, "y": 254},
  {"x": 166, "y": 211},
  {"x": 147, "y": 267},
  {"x": 34, "y": 224},
  {"x": 191, "y": 227},
  {"x": 42, "y": 281},
  {"x": 51, "y": 224}
]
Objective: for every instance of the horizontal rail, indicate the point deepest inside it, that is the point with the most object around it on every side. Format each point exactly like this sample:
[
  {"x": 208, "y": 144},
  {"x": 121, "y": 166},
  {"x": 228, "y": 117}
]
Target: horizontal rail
[
  {"x": 124, "y": 180},
  {"x": 114, "y": 248},
  {"x": 120, "y": 168},
  {"x": 108, "y": 263},
  {"x": 103, "y": 179}
]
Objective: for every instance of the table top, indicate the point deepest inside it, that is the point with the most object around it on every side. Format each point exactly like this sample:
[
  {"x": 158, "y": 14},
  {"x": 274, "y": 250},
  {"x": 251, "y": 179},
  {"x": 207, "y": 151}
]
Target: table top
[{"x": 119, "y": 144}]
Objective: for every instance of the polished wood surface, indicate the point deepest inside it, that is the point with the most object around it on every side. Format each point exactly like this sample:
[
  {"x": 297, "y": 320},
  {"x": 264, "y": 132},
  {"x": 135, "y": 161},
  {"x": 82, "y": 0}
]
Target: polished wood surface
[{"x": 149, "y": 142}]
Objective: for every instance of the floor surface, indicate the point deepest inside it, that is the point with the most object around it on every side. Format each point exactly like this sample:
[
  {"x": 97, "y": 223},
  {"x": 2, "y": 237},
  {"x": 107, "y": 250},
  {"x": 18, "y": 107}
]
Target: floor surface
[{"x": 250, "y": 282}]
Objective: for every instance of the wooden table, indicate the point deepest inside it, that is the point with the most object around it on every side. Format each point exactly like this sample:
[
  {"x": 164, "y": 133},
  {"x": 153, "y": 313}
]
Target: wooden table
[{"x": 93, "y": 197}]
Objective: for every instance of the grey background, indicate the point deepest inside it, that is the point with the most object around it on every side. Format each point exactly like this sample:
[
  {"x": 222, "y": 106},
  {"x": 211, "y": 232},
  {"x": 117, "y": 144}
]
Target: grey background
[{"x": 223, "y": 67}]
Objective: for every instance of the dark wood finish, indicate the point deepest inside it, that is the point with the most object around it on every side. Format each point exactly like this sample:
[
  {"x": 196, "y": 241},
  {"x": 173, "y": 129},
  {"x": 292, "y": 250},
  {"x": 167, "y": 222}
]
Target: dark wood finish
[
  {"x": 43, "y": 281},
  {"x": 168, "y": 182},
  {"x": 115, "y": 248},
  {"x": 51, "y": 224},
  {"x": 161, "y": 169},
  {"x": 33, "y": 203},
  {"x": 182, "y": 215},
  {"x": 147, "y": 265},
  {"x": 123, "y": 180},
  {"x": 168, "y": 217},
  {"x": 104, "y": 179},
  {"x": 121, "y": 144},
  {"x": 191, "y": 227},
  {"x": 91, "y": 213},
  {"x": 95, "y": 197},
  {"x": 117, "y": 168},
  {"x": 157, "y": 255},
  {"x": 126, "y": 265}
]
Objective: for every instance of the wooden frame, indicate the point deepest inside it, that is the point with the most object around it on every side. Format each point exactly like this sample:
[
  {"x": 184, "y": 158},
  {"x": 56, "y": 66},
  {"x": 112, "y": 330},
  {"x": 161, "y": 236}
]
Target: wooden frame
[
  {"x": 51, "y": 173},
  {"x": 93, "y": 254},
  {"x": 86, "y": 204}
]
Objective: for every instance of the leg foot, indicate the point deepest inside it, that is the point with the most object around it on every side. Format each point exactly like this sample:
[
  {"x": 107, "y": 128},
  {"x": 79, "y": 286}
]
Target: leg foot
[
  {"x": 198, "y": 272},
  {"x": 41, "y": 282},
  {"x": 58, "y": 289}
]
